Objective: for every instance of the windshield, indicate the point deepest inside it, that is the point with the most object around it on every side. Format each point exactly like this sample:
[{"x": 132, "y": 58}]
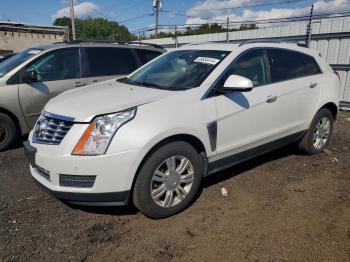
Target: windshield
[
  {"x": 178, "y": 70},
  {"x": 9, "y": 64}
]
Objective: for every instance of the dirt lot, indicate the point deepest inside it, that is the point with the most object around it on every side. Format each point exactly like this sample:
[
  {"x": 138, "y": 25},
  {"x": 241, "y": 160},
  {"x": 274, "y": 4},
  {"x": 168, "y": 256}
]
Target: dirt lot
[{"x": 283, "y": 206}]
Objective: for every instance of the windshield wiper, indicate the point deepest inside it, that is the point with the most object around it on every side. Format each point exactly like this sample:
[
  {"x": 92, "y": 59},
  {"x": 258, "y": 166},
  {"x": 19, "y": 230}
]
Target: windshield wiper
[
  {"x": 152, "y": 85},
  {"x": 146, "y": 84}
]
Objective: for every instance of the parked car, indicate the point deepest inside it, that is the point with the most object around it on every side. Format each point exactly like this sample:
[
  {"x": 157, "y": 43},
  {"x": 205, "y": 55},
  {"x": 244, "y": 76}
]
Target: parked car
[
  {"x": 151, "y": 137},
  {"x": 30, "y": 78},
  {"x": 3, "y": 57}
]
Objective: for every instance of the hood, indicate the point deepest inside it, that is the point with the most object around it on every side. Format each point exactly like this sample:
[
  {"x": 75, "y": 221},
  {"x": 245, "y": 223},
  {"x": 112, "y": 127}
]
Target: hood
[{"x": 83, "y": 104}]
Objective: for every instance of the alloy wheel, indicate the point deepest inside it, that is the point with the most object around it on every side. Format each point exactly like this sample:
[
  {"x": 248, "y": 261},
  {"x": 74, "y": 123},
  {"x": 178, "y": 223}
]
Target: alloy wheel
[
  {"x": 172, "y": 181},
  {"x": 321, "y": 134}
]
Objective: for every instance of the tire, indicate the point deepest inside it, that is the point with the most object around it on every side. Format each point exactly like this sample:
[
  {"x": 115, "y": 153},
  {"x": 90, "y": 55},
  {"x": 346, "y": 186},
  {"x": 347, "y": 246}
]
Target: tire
[
  {"x": 173, "y": 200},
  {"x": 308, "y": 144},
  {"x": 8, "y": 132}
]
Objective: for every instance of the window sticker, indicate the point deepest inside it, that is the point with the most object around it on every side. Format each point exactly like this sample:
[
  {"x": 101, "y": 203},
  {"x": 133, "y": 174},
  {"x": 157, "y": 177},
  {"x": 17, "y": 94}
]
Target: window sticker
[
  {"x": 207, "y": 60},
  {"x": 34, "y": 52}
]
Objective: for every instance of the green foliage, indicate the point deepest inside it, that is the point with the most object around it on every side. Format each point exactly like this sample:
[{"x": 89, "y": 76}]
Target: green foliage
[
  {"x": 206, "y": 29},
  {"x": 96, "y": 29}
]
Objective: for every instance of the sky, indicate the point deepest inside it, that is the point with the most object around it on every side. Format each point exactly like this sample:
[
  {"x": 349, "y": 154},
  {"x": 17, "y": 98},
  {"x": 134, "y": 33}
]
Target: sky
[{"x": 43, "y": 12}]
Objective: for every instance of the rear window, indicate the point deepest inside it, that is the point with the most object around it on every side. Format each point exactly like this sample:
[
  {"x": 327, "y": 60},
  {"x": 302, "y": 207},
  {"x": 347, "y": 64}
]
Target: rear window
[
  {"x": 102, "y": 61},
  {"x": 311, "y": 66},
  {"x": 147, "y": 55},
  {"x": 286, "y": 65}
]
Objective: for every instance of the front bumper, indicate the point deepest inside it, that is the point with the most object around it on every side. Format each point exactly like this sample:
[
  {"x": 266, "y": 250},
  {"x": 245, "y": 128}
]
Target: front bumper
[{"x": 114, "y": 176}]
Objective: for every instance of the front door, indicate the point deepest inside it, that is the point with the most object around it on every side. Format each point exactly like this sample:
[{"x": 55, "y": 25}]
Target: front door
[
  {"x": 57, "y": 71},
  {"x": 247, "y": 119}
]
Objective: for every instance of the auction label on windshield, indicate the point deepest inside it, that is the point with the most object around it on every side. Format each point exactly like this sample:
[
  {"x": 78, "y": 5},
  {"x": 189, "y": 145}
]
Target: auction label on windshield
[
  {"x": 207, "y": 60},
  {"x": 34, "y": 51}
]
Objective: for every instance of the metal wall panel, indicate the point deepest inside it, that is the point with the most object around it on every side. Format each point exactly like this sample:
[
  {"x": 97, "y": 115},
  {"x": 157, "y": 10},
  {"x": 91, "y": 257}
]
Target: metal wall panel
[
  {"x": 344, "y": 51},
  {"x": 346, "y": 96},
  {"x": 343, "y": 75},
  {"x": 332, "y": 51}
]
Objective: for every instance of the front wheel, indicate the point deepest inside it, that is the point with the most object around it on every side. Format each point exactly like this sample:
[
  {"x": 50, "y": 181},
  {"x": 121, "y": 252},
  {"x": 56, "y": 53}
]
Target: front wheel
[
  {"x": 319, "y": 133},
  {"x": 169, "y": 180}
]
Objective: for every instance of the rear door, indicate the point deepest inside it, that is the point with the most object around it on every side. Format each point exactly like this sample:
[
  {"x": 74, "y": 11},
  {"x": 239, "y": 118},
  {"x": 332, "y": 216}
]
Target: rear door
[
  {"x": 58, "y": 71},
  {"x": 294, "y": 76},
  {"x": 103, "y": 63}
]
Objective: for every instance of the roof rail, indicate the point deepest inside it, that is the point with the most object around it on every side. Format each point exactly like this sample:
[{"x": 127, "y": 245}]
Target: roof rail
[
  {"x": 205, "y": 42},
  {"x": 139, "y": 43},
  {"x": 275, "y": 41},
  {"x": 114, "y": 42},
  {"x": 259, "y": 41}
]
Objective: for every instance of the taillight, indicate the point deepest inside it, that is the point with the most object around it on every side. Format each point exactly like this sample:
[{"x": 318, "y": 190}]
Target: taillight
[{"x": 337, "y": 74}]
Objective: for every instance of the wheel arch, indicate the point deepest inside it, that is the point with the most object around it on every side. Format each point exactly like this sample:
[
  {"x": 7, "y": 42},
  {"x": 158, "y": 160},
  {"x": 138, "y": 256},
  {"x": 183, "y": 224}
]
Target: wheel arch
[
  {"x": 331, "y": 106},
  {"x": 12, "y": 116},
  {"x": 191, "y": 139}
]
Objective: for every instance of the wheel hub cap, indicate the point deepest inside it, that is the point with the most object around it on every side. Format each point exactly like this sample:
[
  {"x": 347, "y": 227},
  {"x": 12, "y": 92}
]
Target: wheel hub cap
[
  {"x": 321, "y": 133},
  {"x": 172, "y": 181}
]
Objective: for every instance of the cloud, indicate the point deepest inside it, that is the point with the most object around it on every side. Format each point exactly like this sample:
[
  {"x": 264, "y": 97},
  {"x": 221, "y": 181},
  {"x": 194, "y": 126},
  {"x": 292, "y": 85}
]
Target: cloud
[
  {"x": 199, "y": 13},
  {"x": 82, "y": 10}
]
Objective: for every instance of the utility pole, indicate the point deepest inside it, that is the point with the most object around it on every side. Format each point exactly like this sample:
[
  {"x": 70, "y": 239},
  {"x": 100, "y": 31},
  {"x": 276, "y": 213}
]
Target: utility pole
[
  {"x": 176, "y": 42},
  {"x": 227, "y": 29},
  {"x": 140, "y": 40},
  {"x": 309, "y": 28},
  {"x": 157, "y": 5},
  {"x": 72, "y": 18}
]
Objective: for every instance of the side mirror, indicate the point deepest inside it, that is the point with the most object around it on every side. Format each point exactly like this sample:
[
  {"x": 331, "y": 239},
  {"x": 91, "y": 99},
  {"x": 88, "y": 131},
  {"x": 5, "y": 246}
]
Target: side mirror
[
  {"x": 238, "y": 83},
  {"x": 30, "y": 76}
]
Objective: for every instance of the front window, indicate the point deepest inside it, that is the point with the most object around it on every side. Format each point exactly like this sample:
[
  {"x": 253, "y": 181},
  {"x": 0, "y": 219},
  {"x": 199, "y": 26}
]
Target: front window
[
  {"x": 178, "y": 70},
  {"x": 14, "y": 61},
  {"x": 57, "y": 65}
]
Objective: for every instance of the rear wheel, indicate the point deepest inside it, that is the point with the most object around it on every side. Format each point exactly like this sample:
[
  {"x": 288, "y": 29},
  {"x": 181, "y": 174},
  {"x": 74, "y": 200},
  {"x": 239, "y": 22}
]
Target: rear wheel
[
  {"x": 319, "y": 133},
  {"x": 8, "y": 132},
  {"x": 169, "y": 180}
]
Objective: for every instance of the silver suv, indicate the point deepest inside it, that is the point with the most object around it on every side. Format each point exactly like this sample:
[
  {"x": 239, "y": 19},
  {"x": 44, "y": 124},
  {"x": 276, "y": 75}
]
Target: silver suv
[{"x": 30, "y": 78}]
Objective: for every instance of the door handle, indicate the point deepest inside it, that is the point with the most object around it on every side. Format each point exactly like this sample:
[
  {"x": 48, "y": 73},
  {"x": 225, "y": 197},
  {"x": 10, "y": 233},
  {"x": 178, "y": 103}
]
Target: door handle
[
  {"x": 79, "y": 84},
  {"x": 271, "y": 99},
  {"x": 312, "y": 85},
  {"x": 94, "y": 81}
]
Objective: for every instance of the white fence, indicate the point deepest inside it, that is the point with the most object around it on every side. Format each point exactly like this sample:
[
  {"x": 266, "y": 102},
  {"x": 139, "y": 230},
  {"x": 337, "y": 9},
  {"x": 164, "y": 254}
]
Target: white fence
[{"x": 330, "y": 37}]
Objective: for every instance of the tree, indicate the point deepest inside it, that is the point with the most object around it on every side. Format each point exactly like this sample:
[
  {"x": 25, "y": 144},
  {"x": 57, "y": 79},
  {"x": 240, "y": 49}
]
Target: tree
[
  {"x": 96, "y": 29},
  {"x": 206, "y": 29}
]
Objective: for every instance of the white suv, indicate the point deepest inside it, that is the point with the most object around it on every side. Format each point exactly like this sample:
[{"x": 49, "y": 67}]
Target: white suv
[{"x": 151, "y": 137}]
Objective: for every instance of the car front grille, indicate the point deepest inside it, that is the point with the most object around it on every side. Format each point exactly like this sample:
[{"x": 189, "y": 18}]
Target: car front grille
[
  {"x": 77, "y": 181},
  {"x": 51, "y": 130}
]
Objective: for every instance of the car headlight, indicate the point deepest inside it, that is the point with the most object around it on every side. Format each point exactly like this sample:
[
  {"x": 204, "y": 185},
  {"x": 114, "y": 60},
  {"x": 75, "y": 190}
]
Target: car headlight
[{"x": 100, "y": 132}]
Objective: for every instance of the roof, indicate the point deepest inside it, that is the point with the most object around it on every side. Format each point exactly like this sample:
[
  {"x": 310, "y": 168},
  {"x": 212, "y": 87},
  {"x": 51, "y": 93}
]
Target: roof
[
  {"x": 234, "y": 46},
  {"x": 99, "y": 44}
]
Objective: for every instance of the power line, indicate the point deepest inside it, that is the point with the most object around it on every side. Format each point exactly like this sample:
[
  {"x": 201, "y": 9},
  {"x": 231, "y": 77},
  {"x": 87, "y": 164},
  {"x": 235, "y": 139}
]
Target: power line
[
  {"x": 133, "y": 19},
  {"x": 240, "y": 7},
  {"x": 261, "y": 21}
]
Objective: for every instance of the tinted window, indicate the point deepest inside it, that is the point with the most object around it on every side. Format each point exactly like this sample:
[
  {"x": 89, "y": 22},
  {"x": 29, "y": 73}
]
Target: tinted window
[
  {"x": 146, "y": 55},
  {"x": 310, "y": 65},
  {"x": 252, "y": 65},
  {"x": 58, "y": 65},
  {"x": 109, "y": 61},
  {"x": 285, "y": 65}
]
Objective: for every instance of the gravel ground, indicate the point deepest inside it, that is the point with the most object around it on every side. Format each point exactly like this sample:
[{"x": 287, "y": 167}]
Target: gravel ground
[{"x": 283, "y": 206}]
